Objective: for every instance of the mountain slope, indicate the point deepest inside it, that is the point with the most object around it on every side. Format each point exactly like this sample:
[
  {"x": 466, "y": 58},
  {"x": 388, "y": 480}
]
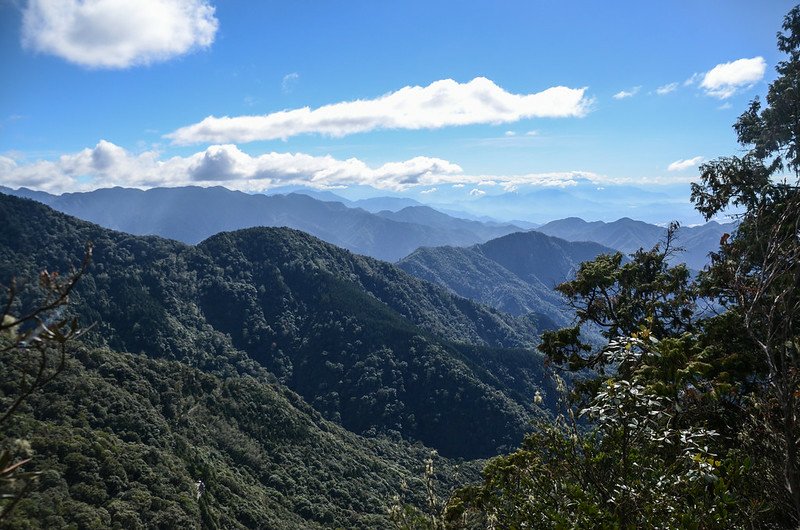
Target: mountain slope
[
  {"x": 471, "y": 274},
  {"x": 122, "y": 439},
  {"x": 514, "y": 273},
  {"x": 628, "y": 236},
  {"x": 192, "y": 214},
  {"x": 362, "y": 341}
]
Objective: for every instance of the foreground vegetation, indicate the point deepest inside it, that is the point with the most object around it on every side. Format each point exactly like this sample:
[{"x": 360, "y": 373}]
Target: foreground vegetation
[{"x": 688, "y": 416}]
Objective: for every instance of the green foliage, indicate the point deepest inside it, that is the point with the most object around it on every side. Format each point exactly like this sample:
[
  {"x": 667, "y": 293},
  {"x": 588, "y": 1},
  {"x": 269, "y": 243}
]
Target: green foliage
[
  {"x": 121, "y": 439},
  {"x": 644, "y": 294},
  {"x": 757, "y": 274},
  {"x": 37, "y": 338},
  {"x": 684, "y": 419},
  {"x": 633, "y": 462}
]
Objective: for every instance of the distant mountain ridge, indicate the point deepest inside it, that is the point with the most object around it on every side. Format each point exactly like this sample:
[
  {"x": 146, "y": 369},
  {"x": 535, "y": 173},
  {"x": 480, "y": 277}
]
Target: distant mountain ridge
[
  {"x": 192, "y": 214},
  {"x": 515, "y": 273},
  {"x": 628, "y": 235},
  {"x": 461, "y": 229}
]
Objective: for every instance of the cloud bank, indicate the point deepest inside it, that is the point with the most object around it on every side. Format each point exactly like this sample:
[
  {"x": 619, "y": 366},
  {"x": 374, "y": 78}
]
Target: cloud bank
[
  {"x": 107, "y": 165},
  {"x": 443, "y": 103},
  {"x": 726, "y": 79},
  {"x": 117, "y": 33}
]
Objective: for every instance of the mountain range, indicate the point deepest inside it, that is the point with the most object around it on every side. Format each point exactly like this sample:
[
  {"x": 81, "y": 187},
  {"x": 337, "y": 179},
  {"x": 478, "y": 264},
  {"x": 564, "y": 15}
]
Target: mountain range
[
  {"x": 365, "y": 343},
  {"x": 255, "y": 348},
  {"x": 628, "y": 236},
  {"x": 192, "y": 214},
  {"x": 278, "y": 368}
]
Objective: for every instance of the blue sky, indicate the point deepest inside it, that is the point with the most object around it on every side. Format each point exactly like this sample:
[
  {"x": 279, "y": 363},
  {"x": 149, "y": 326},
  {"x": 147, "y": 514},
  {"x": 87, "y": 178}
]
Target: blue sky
[{"x": 98, "y": 93}]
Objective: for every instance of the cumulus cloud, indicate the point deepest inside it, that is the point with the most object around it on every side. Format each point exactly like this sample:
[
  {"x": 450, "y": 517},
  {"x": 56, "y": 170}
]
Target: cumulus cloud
[
  {"x": 622, "y": 94},
  {"x": 680, "y": 165},
  {"x": 443, "y": 103},
  {"x": 666, "y": 89},
  {"x": 475, "y": 192},
  {"x": 107, "y": 164},
  {"x": 429, "y": 191},
  {"x": 726, "y": 79},
  {"x": 117, "y": 33}
]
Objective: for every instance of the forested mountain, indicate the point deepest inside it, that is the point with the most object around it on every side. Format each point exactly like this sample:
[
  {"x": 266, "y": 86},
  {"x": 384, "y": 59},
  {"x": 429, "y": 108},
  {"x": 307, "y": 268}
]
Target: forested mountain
[
  {"x": 192, "y": 214},
  {"x": 629, "y": 236},
  {"x": 515, "y": 273},
  {"x": 122, "y": 439},
  {"x": 221, "y": 336},
  {"x": 362, "y": 341}
]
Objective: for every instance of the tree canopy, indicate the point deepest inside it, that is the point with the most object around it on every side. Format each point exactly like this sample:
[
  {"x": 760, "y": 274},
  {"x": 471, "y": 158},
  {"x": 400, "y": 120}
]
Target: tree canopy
[{"x": 686, "y": 416}]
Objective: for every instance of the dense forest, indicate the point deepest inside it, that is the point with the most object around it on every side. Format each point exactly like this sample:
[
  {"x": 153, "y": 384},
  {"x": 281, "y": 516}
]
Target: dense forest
[{"x": 266, "y": 379}]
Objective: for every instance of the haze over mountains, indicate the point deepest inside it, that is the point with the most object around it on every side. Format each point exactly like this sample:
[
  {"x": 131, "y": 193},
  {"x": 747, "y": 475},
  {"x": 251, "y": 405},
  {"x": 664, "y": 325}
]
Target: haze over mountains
[
  {"x": 525, "y": 205},
  {"x": 514, "y": 273},
  {"x": 628, "y": 236},
  {"x": 192, "y": 214},
  {"x": 388, "y": 228},
  {"x": 585, "y": 199}
]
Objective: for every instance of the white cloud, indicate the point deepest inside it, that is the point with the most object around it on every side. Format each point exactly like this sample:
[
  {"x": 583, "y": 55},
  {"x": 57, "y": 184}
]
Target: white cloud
[
  {"x": 117, "y": 33},
  {"x": 724, "y": 80},
  {"x": 532, "y": 133},
  {"x": 666, "y": 89},
  {"x": 288, "y": 82},
  {"x": 510, "y": 133},
  {"x": 680, "y": 165},
  {"x": 622, "y": 94},
  {"x": 475, "y": 192},
  {"x": 441, "y": 104},
  {"x": 429, "y": 191},
  {"x": 107, "y": 165}
]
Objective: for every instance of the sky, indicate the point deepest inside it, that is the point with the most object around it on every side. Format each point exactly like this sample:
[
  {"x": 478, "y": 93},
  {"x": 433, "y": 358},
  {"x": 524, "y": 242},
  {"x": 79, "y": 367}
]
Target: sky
[{"x": 450, "y": 103}]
